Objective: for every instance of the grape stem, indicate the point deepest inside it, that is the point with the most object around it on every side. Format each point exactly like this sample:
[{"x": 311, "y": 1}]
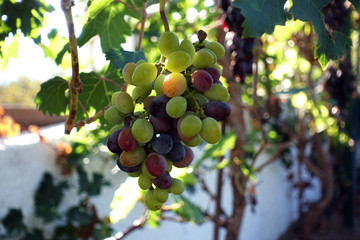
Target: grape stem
[
  {"x": 163, "y": 15},
  {"x": 91, "y": 119},
  {"x": 142, "y": 29},
  {"x": 75, "y": 84},
  {"x": 110, "y": 81}
]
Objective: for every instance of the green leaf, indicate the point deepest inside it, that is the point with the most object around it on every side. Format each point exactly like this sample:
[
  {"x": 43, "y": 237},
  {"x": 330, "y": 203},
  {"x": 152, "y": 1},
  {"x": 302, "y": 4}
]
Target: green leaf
[
  {"x": 261, "y": 16},
  {"x": 79, "y": 215},
  {"x": 105, "y": 18},
  {"x": 13, "y": 222},
  {"x": 188, "y": 210},
  {"x": 52, "y": 97},
  {"x": 328, "y": 46},
  {"x": 125, "y": 198},
  {"x": 8, "y": 51},
  {"x": 121, "y": 57},
  {"x": 48, "y": 197}
]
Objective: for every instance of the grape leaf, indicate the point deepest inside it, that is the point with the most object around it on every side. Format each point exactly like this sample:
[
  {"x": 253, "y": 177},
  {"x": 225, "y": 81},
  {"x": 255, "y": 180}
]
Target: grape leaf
[
  {"x": 356, "y": 4},
  {"x": 52, "y": 97},
  {"x": 261, "y": 16},
  {"x": 329, "y": 46},
  {"x": 121, "y": 57},
  {"x": 189, "y": 211},
  {"x": 105, "y": 18},
  {"x": 7, "y": 51},
  {"x": 13, "y": 222}
]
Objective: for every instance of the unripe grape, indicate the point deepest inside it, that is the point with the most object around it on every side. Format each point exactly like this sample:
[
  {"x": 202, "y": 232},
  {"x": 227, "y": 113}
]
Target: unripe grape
[
  {"x": 133, "y": 158},
  {"x": 128, "y": 71},
  {"x": 161, "y": 195},
  {"x": 190, "y": 125},
  {"x": 176, "y": 107},
  {"x": 168, "y": 43},
  {"x": 187, "y": 46},
  {"x": 144, "y": 181},
  {"x": 174, "y": 85},
  {"x": 203, "y": 58},
  {"x": 144, "y": 74},
  {"x": 210, "y": 131},
  {"x": 217, "y": 48},
  {"x": 113, "y": 115},
  {"x": 178, "y": 61},
  {"x": 150, "y": 201},
  {"x": 142, "y": 130},
  {"x": 158, "y": 84},
  {"x": 217, "y": 92},
  {"x": 177, "y": 187},
  {"x": 124, "y": 102}
]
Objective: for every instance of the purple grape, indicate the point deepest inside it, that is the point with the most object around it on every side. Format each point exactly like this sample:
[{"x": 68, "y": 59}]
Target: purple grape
[
  {"x": 218, "y": 110},
  {"x": 157, "y": 107},
  {"x": 112, "y": 142},
  {"x": 201, "y": 80},
  {"x": 160, "y": 125},
  {"x": 162, "y": 143},
  {"x": 215, "y": 74},
  {"x": 164, "y": 181},
  {"x": 127, "y": 169},
  {"x": 177, "y": 152},
  {"x": 173, "y": 132},
  {"x": 156, "y": 164}
]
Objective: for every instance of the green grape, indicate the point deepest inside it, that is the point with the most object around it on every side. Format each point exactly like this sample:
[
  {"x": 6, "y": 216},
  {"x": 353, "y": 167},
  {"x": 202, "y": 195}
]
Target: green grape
[
  {"x": 176, "y": 107},
  {"x": 150, "y": 201},
  {"x": 169, "y": 165},
  {"x": 217, "y": 48},
  {"x": 158, "y": 84},
  {"x": 140, "y": 62},
  {"x": 144, "y": 74},
  {"x": 187, "y": 46},
  {"x": 145, "y": 171},
  {"x": 174, "y": 85},
  {"x": 213, "y": 54},
  {"x": 128, "y": 71},
  {"x": 210, "y": 131},
  {"x": 177, "y": 187},
  {"x": 161, "y": 195},
  {"x": 135, "y": 174},
  {"x": 133, "y": 158},
  {"x": 140, "y": 92},
  {"x": 178, "y": 61},
  {"x": 144, "y": 181},
  {"x": 203, "y": 58},
  {"x": 113, "y": 98},
  {"x": 193, "y": 142},
  {"x": 113, "y": 115},
  {"x": 142, "y": 130},
  {"x": 218, "y": 93},
  {"x": 124, "y": 102},
  {"x": 190, "y": 125},
  {"x": 168, "y": 43}
]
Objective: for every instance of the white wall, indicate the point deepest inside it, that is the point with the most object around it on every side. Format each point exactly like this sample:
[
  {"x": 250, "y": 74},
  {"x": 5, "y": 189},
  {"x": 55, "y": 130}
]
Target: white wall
[{"x": 23, "y": 160}]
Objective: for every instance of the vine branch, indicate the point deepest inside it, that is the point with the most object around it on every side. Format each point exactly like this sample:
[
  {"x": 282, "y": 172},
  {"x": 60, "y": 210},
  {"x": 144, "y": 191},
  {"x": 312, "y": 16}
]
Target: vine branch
[
  {"x": 142, "y": 29},
  {"x": 136, "y": 225},
  {"x": 75, "y": 84}
]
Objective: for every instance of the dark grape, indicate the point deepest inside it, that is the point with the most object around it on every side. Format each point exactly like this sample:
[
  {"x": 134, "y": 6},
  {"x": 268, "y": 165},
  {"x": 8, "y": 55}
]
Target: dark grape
[
  {"x": 162, "y": 143},
  {"x": 160, "y": 125},
  {"x": 173, "y": 132},
  {"x": 189, "y": 156},
  {"x": 126, "y": 140},
  {"x": 215, "y": 74},
  {"x": 177, "y": 153},
  {"x": 155, "y": 164},
  {"x": 201, "y": 80},
  {"x": 112, "y": 142},
  {"x": 157, "y": 107},
  {"x": 127, "y": 169},
  {"x": 218, "y": 110},
  {"x": 164, "y": 181}
]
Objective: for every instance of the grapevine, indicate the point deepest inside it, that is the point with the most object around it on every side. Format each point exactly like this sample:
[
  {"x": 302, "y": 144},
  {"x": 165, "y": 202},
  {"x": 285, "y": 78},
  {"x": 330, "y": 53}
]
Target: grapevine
[{"x": 174, "y": 105}]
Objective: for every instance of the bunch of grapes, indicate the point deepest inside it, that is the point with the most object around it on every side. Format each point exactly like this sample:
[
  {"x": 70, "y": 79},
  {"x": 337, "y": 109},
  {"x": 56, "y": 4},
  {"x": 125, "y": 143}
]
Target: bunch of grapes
[
  {"x": 174, "y": 105},
  {"x": 241, "y": 49}
]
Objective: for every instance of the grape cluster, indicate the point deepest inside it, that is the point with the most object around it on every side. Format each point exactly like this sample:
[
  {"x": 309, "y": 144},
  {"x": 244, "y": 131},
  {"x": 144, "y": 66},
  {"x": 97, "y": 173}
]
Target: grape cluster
[
  {"x": 174, "y": 105},
  {"x": 241, "y": 49},
  {"x": 335, "y": 14}
]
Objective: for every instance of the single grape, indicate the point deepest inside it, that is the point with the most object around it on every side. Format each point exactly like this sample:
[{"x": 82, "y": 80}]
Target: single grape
[
  {"x": 176, "y": 106},
  {"x": 113, "y": 115},
  {"x": 128, "y": 71},
  {"x": 133, "y": 158},
  {"x": 150, "y": 201},
  {"x": 127, "y": 169},
  {"x": 135, "y": 174},
  {"x": 177, "y": 187},
  {"x": 217, "y": 66},
  {"x": 218, "y": 110},
  {"x": 189, "y": 157},
  {"x": 124, "y": 102},
  {"x": 140, "y": 92},
  {"x": 163, "y": 182},
  {"x": 187, "y": 46},
  {"x": 169, "y": 165},
  {"x": 156, "y": 164},
  {"x": 113, "y": 98},
  {"x": 157, "y": 107},
  {"x": 178, "y": 61},
  {"x": 193, "y": 142},
  {"x": 161, "y": 195},
  {"x": 145, "y": 171},
  {"x": 203, "y": 59},
  {"x": 210, "y": 131},
  {"x": 158, "y": 84},
  {"x": 142, "y": 130},
  {"x": 128, "y": 119},
  {"x": 173, "y": 132},
  {"x": 217, "y": 48},
  {"x": 174, "y": 85},
  {"x": 126, "y": 140},
  {"x": 144, "y": 74},
  {"x": 177, "y": 152},
  {"x": 190, "y": 125},
  {"x": 162, "y": 143},
  {"x": 217, "y": 92},
  {"x": 168, "y": 43},
  {"x": 213, "y": 54},
  {"x": 201, "y": 80},
  {"x": 112, "y": 142},
  {"x": 141, "y": 61},
  {"x": 214, "y": 72},
  {"x": 144, "y": 181},
  {"x": 160, "y": 125}
]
